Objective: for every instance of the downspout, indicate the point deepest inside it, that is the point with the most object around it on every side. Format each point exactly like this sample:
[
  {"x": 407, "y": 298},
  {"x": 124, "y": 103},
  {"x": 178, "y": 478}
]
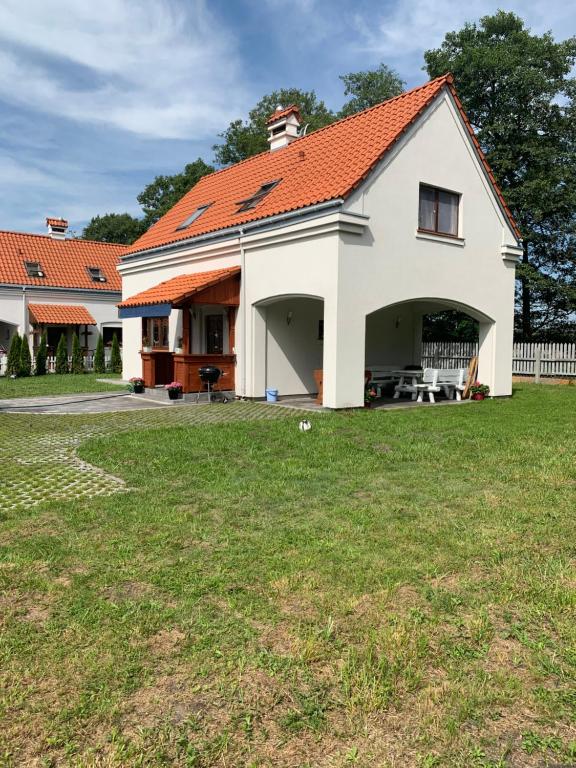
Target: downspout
[
  {"x": 24, "y": 313},
  {"x": 243, "y": 299}
]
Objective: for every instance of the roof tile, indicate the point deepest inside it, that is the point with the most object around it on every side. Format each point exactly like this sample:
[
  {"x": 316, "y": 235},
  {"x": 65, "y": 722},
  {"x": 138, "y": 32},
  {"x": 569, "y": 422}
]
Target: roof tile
[
  {"x": 176, "y": 288},
  {"x": 60, "y": 314}
]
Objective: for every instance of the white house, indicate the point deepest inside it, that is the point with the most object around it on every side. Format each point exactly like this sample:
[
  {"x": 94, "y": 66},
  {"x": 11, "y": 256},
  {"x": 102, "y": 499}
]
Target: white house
[
  {"x": 58, "y": 284},
  {"x": 324, "y": 253}
]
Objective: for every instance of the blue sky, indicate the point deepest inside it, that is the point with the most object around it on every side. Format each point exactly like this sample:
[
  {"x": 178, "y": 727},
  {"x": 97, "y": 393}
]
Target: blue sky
[{"x": 97, "y": 98}]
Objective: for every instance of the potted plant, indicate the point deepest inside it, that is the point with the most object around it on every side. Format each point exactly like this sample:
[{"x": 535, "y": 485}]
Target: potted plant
[
  {"x": 137, "y": 385},
  {"x": 179, "y": 348},
  {"x": 146, "y": 344},
  {"x": 479, "y": 391},
  {"x": 370, "y": 394},
  {"x": 174, "y": 390}
]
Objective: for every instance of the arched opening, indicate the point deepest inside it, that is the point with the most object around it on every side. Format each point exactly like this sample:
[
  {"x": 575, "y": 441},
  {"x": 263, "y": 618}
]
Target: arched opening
[
  {"x": 7, "y": 330},
  {"x": 288, "y": 344},
  {"x": 406, "y": 335}
]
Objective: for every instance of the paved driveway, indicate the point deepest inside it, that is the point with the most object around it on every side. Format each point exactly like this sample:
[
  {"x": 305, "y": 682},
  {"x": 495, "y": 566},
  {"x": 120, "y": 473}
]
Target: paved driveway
[{"x": 93, "y": 402}]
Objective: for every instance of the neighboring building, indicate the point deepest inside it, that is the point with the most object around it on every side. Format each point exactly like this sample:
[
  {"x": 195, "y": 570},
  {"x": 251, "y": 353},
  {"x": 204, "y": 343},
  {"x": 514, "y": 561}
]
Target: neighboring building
[
  {"x": 324, "y": 254},
  {"x": 58, "y": 284}
]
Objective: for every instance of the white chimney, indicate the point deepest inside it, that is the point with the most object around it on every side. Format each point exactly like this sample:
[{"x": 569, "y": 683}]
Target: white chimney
[
  {"x": 57, "y": 228},
  {"x": 283, "y": 126}
]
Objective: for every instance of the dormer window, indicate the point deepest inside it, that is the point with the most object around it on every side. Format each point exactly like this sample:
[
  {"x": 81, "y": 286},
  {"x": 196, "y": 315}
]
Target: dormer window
[
  {"x": 438, "y": 211},
  {"x": 193, "y": 216},
  {"x": 33, "y": 269},
  {"x": 96, "y": 274},
  {"x": 252, "y": 202}
]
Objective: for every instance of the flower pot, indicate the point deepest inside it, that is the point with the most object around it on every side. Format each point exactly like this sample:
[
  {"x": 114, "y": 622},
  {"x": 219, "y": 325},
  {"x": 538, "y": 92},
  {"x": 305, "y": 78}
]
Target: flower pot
[
  {"x": 147, "y": 349},
  {"x": 368, "y": 405},
  {"x": 178, "y": 350},
  {"x": 174, "y": 394},
  {"x": 478, "y": 396},
  {"x": 138, "y": 389}
]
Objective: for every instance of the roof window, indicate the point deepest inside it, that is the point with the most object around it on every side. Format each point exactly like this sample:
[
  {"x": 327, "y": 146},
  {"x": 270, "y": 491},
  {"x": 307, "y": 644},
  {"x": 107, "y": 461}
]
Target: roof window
[
  {"x": 193, "y": 216},
  {"x": 33, "y": 269},
  {"x": 252, "y": 202},
  {"x": 96, "y": 274}
]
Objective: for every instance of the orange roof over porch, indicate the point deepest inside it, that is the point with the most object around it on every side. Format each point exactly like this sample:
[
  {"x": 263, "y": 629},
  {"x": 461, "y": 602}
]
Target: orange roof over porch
[{"x": 176, "y": 290}]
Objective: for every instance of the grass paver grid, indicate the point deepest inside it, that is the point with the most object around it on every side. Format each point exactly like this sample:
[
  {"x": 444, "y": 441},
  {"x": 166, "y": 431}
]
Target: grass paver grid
[{"x": 44, "y": 447}]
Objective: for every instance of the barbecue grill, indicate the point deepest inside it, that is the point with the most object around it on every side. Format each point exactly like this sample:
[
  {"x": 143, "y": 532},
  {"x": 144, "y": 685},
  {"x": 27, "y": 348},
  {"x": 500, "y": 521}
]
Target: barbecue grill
[{"x": 209, "y": 376}]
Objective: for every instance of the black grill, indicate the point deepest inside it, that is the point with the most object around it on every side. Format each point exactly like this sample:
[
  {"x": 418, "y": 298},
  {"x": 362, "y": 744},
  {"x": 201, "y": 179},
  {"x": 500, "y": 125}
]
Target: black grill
[{"x": 209, "y": 374}]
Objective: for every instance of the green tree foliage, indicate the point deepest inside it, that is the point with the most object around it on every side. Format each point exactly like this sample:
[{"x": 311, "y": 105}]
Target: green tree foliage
[
  {"x": 115, "y": 356},
  {"x": 119, "y": 228},
  {"x": 370, "y": 88},
  {"x": 449, "y": 325},
  {"x": 62, "y": 355},
  {"x": 244, "y": 139},
  {"x": 41, "y": 355},
  {"x": 99, "y": 360},
  {"x": 520, "y": 96},
  {"x": 77, "y": 363},
  {"x": 25, "y": 368},
  {"x": 13, "y": 361},
  {"x": 164, "y": 192}
]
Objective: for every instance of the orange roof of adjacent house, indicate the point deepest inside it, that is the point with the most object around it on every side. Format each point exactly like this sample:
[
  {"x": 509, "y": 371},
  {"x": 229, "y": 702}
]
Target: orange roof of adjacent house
[
  {"x": 64, "y": 262},
  {"x": 325, "y": 165},
  {"x": 60, "y": 314},
  {"x": 179, "y": 288}
]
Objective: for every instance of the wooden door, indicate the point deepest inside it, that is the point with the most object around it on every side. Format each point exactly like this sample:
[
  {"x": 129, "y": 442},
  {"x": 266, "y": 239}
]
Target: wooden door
[{"x": 214, "y": 334}]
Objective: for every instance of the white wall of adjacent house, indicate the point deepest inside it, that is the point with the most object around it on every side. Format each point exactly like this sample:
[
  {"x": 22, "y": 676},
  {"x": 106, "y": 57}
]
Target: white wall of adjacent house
[{"x": 14, "y": 316}]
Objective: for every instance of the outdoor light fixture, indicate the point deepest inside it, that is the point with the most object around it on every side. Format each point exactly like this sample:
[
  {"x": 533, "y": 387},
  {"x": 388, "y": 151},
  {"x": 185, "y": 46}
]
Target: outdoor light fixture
[
  {"x": 397, "y": 322},
  {"x": 289, "y": 318}
]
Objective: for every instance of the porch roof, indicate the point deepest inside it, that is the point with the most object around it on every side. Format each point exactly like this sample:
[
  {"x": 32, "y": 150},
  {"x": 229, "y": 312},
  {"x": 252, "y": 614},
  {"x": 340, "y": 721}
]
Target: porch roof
[
  {"x": 60, "y": 314},
  {"x": 176, "y": 290}
]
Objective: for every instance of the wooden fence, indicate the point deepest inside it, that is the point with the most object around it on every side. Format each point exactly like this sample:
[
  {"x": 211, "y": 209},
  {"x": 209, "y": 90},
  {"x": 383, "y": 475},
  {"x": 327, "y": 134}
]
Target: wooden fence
[
  {"x": 527, "y": 359},
  {"x": 51, "y": 362}
]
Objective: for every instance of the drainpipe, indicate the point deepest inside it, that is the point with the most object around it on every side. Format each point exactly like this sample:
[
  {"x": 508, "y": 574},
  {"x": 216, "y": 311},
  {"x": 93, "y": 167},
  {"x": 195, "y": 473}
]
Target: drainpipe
[
  {"x": 24, "y": 313},
  {"x": 243, "y": 299}
]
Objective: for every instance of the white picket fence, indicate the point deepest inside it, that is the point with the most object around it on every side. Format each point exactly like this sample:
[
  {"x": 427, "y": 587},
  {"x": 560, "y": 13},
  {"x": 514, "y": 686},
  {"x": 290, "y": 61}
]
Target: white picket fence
[
  {"x": 527, "y": 359},
  {"x": 51, "y": 362}
]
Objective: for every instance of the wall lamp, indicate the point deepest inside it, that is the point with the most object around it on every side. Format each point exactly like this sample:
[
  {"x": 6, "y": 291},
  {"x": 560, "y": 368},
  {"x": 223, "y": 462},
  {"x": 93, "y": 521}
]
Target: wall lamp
[{"x": 289, "y": 316}]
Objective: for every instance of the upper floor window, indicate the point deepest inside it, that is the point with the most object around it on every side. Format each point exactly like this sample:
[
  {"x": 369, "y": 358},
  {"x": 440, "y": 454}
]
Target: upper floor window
[
  {"x": 34, "y": 269},
  {"x": 96, "y": 274},
  {"x": 438, "y": 211},
  {"x": 260, "y": 194},
  {"x": 193, "y": 216}
]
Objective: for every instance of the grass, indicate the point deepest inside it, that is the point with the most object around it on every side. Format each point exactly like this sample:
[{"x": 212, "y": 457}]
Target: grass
[
  {"x": 56, "y": 384},
  {"x": 388, "y": 589}
]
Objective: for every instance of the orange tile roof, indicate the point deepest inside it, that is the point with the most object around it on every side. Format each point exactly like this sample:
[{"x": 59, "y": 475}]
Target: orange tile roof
[
  {"x": 63, "y": 261},
  {"x": 325, "y": 165},
  {"x": 178, "y": 288},
  {"x": 52, "y": 221},
  {"x": 60, "y": 314},
  {"x": 292, "y": 109}
]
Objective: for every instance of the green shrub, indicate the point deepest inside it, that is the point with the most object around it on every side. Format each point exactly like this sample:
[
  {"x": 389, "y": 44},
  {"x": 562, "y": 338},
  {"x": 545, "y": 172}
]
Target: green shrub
[
  {"x": 25, "y": 368},
  {"x": 115, "y": 356},
  {"x": 41, "y": 355},
  {"x": 99, "y": 359},
  {"x": 13, "y": 362},
  {"x": 62, "y": 355},
  {"x": 77, "y": 365}
]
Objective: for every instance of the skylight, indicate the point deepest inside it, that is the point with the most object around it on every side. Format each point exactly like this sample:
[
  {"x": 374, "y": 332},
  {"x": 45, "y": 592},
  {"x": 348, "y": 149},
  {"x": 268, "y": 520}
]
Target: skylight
[
  {"x": 96, "y": 274},
  {"x": 252, "y": 202},
  {"x": 33, "y": 269},
  {"x": 193, "y": 216}
]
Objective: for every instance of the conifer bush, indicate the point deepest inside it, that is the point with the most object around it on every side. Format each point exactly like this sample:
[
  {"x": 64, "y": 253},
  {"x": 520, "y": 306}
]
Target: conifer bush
[
  {"x": 25, "y": 366},
  {"x": 62, "y": 355},
  {"x": 99, "y": 359},
  {"x": 13, "y": 362},
  {"x": 115, "y": 356},
  {"x": 77, "y": 364},
  {"x": 41, "y": 356}
]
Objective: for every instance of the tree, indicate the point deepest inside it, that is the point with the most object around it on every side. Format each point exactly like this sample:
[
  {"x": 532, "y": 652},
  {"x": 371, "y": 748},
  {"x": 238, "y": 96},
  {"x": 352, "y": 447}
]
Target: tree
[
  {"x": 449, "y": 325},
  {"x": 62, "y": 355},
  {"x": 25, "y": 365},
  {"x": 99, "y": 359},
  {"x": 244, "y": 139},
  {"x": 164, "y": 192},
  {"x": 77, "y": 363},
  {"x": 41, "y": 355},
  {"x": 370, "y": 88},
  {"x": 13, "y": 362},
  {"x": 519, "y": 94},
  {"x": 115, "y": 356},
  {"x": 119, "y": 228}
]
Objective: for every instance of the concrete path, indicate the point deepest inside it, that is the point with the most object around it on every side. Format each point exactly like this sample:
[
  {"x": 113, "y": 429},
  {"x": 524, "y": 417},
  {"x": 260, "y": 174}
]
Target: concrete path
[{"x": 92, "y": 402}]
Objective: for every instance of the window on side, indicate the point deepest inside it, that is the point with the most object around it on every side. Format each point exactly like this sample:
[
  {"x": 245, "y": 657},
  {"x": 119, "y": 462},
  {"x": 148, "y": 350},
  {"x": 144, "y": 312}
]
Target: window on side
[
  {"x": 438, "y": 211},
  {"x": 155, "y": 332}
]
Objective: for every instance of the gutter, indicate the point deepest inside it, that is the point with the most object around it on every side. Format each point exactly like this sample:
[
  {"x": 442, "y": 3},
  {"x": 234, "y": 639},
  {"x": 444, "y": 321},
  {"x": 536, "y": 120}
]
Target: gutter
[
  {"x": 61, "y": 289},
  {"x": 270, "y": 222}
]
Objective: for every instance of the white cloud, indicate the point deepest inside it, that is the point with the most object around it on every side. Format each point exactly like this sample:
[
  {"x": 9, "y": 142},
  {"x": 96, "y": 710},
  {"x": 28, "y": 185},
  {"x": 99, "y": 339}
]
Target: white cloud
[{"x": 151, "y": 67}]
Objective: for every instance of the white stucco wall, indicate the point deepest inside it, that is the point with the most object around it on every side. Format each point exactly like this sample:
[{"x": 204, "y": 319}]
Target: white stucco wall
[{"x": 14, "y": 302}]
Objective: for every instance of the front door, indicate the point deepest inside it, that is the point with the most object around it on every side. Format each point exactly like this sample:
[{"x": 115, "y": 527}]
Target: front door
[{"x": 214, "y": 334}]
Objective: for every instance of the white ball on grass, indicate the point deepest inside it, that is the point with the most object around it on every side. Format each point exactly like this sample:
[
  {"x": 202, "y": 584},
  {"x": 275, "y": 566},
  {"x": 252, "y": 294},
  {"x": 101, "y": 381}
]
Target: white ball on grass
[{"x": 305, "y": 425}]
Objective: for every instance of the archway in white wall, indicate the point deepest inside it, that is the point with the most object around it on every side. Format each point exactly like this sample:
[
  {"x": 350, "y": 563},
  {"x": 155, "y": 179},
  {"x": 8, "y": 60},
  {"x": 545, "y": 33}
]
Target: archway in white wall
[
  {"x": 394, "y": 338},
  {"x": 288, "y": 344},
  {"x": 7, "y": 330}
]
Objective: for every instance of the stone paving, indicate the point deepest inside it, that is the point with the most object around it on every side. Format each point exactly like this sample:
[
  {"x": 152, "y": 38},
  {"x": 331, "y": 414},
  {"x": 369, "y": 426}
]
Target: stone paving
[{"x": 38, "y": 455}]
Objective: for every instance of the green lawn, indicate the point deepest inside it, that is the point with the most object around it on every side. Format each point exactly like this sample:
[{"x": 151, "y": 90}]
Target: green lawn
[
  {"x": 389, "y": 589},
  {"x": 56, "y": 384}
]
